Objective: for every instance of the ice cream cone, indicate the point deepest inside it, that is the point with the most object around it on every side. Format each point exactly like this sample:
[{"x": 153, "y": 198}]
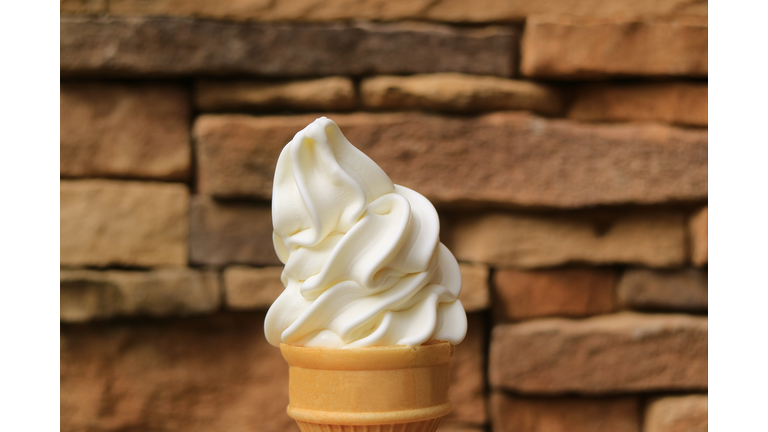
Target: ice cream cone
[{"x": 382, "y": 389}]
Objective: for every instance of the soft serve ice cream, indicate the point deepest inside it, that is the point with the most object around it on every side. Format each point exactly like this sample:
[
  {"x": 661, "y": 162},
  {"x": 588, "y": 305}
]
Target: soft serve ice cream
[{"x": 364, "y": 265}]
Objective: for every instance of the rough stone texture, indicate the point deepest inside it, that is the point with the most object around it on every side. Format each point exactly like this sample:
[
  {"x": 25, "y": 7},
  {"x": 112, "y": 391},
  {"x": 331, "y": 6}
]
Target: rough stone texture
[
  {"x": 674, "y": 290},
  {"x": 467, "y": 391},
  {"x": 474, "y": 290},
  {"x": 671, "y": 102},
  {"x": 567, "y": 414},
  {"x": 331, "y": 93},
  {"x": 106, "y": 222},
  {"x": 83, "y": 6},
  {"x": 677, "y": 414},
  {"x": 252, "y": 287},
  {"x": 458, "y": 93},
  {"x": 174, "y": 46},
  {"x": 624, "y": 352},
  {"x": 230, "y": 233},
  {"x": 449, "y": 426},
  {"x": 125, "y": 130},
  {"x": 200, "y": 374},
  {"x": 88, "y": 295},
  {"x": 501, "y": 158},
  {"x": 571, "y": 292},
  {"x": 653, "y": 239},
  {"x": 387, "y": 10},
  {"x": 579, "y": 48},
  {"x": 699, "y": 232}
]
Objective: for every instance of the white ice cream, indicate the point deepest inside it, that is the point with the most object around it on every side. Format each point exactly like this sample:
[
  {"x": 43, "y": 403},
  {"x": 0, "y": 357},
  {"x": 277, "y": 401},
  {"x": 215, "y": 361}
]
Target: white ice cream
[{"x": 364, "y": 265}]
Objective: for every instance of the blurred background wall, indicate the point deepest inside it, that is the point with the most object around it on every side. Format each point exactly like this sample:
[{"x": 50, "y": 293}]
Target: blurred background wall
[{"x": 563, "y": 142}]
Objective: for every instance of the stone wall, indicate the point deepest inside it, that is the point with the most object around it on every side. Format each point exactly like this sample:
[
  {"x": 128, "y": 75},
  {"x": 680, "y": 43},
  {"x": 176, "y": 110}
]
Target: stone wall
[{"x": 564, "y": 144}]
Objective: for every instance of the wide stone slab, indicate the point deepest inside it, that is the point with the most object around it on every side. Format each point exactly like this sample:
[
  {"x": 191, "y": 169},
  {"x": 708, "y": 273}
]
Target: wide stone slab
[
  {"x": 252, "y": 287},
  {"x": 224, "y": 233},
  {"x": 586, "y": 48},
  {"x": 506, "y": 158},
  {"x": 329, "y": 93},
  {"x": 86, "y": 294},
  {"x": 568, "y": 292},
  {"x": 529, "y": 240},
  {"x": 451, "y": 92},
  {"x": 123, "y": 223},
  {"x": 683, "y": 290},
  {"x": 620, "y": 353},
  {"x": 573, "y": 414},
  {"x": 670, "y": 102},
  {"x": 125, "y": 130},
  {"x": 195, "y": 374},
  {"x": 390, "y": 10},
  {"x": 112, "y": 45}
]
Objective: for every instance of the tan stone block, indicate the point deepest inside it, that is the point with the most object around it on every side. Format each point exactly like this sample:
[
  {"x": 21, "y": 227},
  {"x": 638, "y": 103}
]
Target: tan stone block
[
  {"x": 230, "y": 233},
  {"x": 449, "y": 426},
  {"x": 458, "y": 93},
  {"x": 88, "y": 294},
  {"x": 564, "y": 414},
  {"x": 670, "y": 102},
  {"x": 394, "y": 10},
  {"x": 196, "y": 374},
  {"x": 252, "y": 287},
  {"x": 504, "y": 158},
  {"x": 474, "y": 289},
  {"x": 330, "y": 93},
  {"x": 105, "y": 222},
  {"x": 167, "y": 46},
  {"x": 572, "y": 292},
  {"x": 677, "y": 414},
  {"x": 699, "y": 231},
  {"x": 676, "y": 290},
  {"x": 619, "y": 353},
  {"x": 654, "y": 239},
  {"x": 467, "y": 391},
  {"x": 125, "y": 131},
  {"x": 579, "y": 48}
]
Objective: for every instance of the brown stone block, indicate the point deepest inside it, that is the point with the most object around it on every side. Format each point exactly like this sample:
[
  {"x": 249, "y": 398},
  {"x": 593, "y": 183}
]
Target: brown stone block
[
  {"x": 125, "y": 130},
  {"x": 501, "y": 158},
  {"x": 88, "y": 294},
  {"x": 567, "y": 414},
  {"x": 677, "y": 414},
  {"x": 572, "y": 292},
  {"x": 449, "y": 426},
  {"x": 394, "y": 10},
  {"x": 699, "y": 231},
  {"x": 118, "y": 45},
  {"x": 201, "y": 374},
  {"x": 474, "y": 289},
  {"x": 674, "y": 290},
  {"x": 105, "y": 222},
  {"x": 83, "y": 6},
  {"x": 579, "y": 48},
  {"x": 624, "y": 352},
  {"x": 669, "y": 102},
  {"x": 330, "y": 93},
  {"x": 230, "y": 233},
  {"x": 654, "y": 239},
  {"x": 467, "y": 391},
  {"x": 252, "y": 287},
  {"x": 458, "y": 93}
]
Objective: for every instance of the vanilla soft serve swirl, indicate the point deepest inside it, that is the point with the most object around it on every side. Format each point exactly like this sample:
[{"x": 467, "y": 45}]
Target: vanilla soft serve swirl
[{"x": 363, "y": 262}]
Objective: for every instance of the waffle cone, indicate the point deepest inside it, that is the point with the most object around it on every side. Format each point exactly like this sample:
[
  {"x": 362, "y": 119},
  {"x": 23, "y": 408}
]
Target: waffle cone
[{"x": 372, "y": 389}]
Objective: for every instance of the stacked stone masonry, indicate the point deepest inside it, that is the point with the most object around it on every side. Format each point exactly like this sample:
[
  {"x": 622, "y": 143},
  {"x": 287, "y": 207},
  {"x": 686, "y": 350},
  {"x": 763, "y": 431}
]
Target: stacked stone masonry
[{"x": 563, "y": 143}]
